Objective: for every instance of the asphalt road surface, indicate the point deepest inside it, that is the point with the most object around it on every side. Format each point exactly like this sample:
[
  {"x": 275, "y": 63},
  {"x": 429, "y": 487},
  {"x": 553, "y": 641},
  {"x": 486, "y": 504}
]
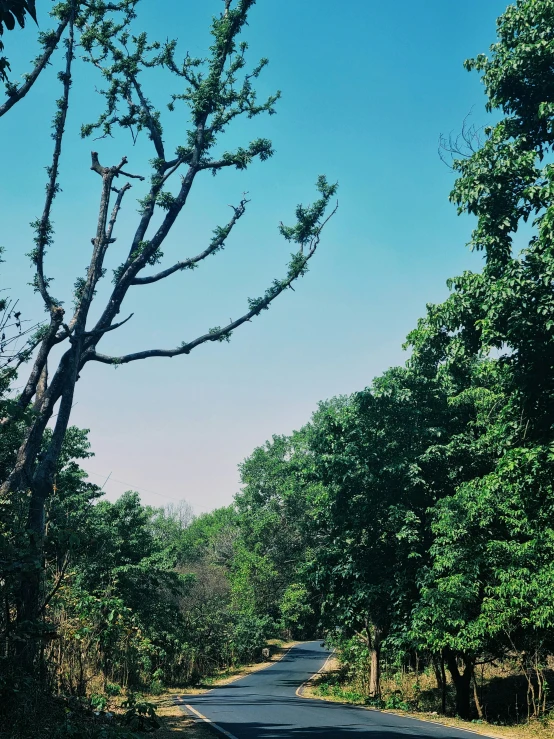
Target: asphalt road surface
[{"x": 264, "y": 705}]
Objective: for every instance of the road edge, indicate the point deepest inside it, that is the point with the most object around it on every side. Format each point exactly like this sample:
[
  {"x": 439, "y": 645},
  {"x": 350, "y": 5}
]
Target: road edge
[
  {"x": 300, "y": 688},
  {"x": 299, "y": 693},
  {"x": 197, "y": 716}
]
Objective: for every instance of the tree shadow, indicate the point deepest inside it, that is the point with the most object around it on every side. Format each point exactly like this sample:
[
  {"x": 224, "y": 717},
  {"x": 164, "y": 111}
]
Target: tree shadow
[{"x": 255, "y": 716}]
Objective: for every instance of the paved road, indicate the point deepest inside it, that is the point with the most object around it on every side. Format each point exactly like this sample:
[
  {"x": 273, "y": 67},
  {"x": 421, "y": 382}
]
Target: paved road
[{"x": 264, "y": 705}]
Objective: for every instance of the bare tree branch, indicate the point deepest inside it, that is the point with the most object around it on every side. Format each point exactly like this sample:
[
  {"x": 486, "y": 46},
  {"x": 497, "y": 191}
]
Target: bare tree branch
[
  {"x": 40, "y": 360},
  {"x": 222, "y": 334},
  {"x": 20, "y": 92},
  {"x": 138, "y": 258},
  {"x": 151, "y": 122},
  {"x": 115, "y": 211},
  {"x": 100, "y": 332},
  {"x": 102, "y": 240},
  {"x": 461, "y": 146},
  {"x": 44, "y": 226},
  {"x": 216, "y": 244},
  {"x": 57, "y": 584}
]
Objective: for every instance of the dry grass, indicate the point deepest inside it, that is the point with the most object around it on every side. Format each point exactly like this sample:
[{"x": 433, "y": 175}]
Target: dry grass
[{"x": 175, "y": 722}]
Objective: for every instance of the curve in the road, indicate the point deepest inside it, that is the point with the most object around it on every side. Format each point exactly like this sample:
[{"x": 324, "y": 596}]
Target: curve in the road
[{"x": 264, "y": 705}]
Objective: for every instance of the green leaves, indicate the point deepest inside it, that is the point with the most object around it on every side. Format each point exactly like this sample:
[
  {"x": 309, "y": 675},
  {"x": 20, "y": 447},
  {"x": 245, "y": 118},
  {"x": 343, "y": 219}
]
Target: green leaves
[
  {"x": 14, "y": 11},
  {"x": 310, "y": 219}
]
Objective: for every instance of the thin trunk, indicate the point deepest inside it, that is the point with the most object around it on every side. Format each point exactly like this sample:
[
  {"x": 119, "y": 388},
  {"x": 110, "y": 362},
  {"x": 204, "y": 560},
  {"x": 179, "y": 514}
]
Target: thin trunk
[
  {"x": 476, "y": 700},
  {"x": 375, "y": 675},
  {"x": 440, "y": 677},
  {"x": 443, "y": 692}
]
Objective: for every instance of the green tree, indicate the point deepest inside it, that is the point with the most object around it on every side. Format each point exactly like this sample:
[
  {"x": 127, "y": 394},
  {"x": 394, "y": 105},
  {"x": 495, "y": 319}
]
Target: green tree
[
  {"x": 506, "y": 312},
  {"x": 488, "y": 591},
  {"x": 505, "y": 180},
  {"x": 273, "y": 511}
]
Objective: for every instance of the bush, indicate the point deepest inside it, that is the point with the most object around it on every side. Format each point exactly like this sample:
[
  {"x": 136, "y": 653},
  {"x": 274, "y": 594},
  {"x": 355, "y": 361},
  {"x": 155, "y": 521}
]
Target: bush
[
  {"x": 139, "y": 714},
  {"x": 98, "y": 702}
]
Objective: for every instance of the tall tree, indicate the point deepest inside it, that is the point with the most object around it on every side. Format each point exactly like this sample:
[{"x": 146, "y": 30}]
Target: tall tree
[
  {"x": 273, "y": 512},
  {"x": 482, "y": 593},
  {"x": 214, "y": 96},
  {"x": 505, "y": 180}
]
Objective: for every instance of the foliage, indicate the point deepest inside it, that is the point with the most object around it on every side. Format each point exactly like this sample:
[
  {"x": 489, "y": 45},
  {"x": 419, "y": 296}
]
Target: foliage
[
  {"x": 410, "y": 522},
  {"x": 12, "y": 12}
]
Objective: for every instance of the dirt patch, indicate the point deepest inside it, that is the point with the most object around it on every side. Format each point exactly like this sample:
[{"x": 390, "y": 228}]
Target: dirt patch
[{"x": 176, "y": 723}]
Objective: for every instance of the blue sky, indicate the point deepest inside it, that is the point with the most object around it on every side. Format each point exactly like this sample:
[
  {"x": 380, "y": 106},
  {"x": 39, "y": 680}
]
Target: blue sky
[{"x": 367, "y": 89}]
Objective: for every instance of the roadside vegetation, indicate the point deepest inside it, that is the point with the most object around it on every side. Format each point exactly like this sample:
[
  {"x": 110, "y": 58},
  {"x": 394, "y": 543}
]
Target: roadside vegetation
[{"x": 410, "y": 524}]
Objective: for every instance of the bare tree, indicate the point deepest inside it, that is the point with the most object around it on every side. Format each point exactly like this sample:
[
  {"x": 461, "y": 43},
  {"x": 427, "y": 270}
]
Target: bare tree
[
  {"x": 213, "y": 97},
  {"x": 181, "y": 512},
  {"x": 463, "y": 144}
]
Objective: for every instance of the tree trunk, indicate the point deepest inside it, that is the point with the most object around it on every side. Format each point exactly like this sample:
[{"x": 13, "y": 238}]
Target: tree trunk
[
  {"x": 476, "y": 700},
  {"x": 34, "y": 471},
  {"x": 443, "y": 692},
  {"x": 375, "y": 675},
  {"x": 462, "y": 683},
  {"x": 435, "y": 660},
  {"x": 440, "y": 677}
]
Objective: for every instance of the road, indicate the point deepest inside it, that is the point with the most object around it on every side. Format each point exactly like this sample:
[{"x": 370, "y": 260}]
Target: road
[{"x": 264, "y": 705}]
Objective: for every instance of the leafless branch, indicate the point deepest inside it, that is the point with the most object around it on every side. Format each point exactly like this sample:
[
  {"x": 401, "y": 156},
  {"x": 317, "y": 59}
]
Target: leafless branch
[
  {"x": 100, "y": 332},
  {"x": 103, "y": 237},
  {"x": 115, "y": 211},
  {"x": 216, "y": 244},
  {"x": 30, "y": 80},
  {"x": 463, "y": 145},
  {"x": 57, "y": 584},
  {"x": 151, "y": 123},
  {"x": 220, "y": 334},
  {"x": 44, "y": 227},
  {"x": 40, "y": 360}
]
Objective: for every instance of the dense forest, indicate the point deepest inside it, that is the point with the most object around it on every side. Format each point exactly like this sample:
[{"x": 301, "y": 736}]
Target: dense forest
[{"x": 410, "y": 524}]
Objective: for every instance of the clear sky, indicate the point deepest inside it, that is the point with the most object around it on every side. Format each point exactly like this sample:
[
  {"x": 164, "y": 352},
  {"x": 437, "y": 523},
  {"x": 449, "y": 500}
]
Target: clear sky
[{"x": 367, "y": 89}]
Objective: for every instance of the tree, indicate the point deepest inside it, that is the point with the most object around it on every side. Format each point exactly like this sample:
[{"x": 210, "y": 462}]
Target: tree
[
  {"x": 371, "y": 519},
  {"x": 214, "y": 97},
  {"x": 67, "y": 518},
  {"x": 488, "y": 593},
  {"x": 273, "y": 511},
  {"x": 505, "y": 180},
  {"x": 487, "y": 590}
]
